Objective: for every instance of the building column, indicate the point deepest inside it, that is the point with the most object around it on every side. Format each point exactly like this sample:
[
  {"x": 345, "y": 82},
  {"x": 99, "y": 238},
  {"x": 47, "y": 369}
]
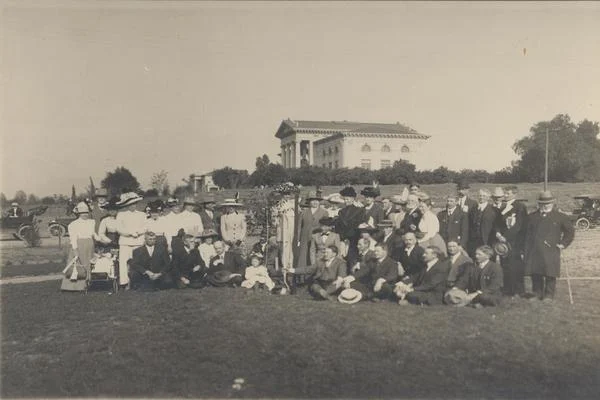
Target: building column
[
  {"x": 283, "y": 156},
  {"x": 288, "y": 155},
  {"x": 297, "y": 156}
]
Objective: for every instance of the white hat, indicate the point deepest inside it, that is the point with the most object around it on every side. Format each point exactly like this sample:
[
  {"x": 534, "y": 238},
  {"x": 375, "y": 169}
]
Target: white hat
[
  {"x": 14, "y": 204},
  {"x": 498, "y": 192},
  {"x": 230, "y": 203},
  {"x": 129, "y": 198},
  {"x": 350, "y": 296},
  {"x": 81, "y": 208},
  {"x": 334, "y": 198}
]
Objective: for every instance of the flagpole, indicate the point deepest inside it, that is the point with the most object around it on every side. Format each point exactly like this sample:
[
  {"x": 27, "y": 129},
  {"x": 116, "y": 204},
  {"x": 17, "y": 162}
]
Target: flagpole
[{"x": 546, "y": 164}]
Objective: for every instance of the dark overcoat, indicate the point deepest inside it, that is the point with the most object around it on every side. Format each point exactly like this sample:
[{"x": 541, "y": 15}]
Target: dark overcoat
[
  {"x": 309, "y": 222},
  {"x": 542, "y": 257},
  {"x": 454, "y": 226}
]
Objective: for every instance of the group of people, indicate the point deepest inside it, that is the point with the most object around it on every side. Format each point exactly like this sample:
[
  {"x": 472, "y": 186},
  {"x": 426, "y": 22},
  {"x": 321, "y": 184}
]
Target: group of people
[{"x": 380, "y": 249}]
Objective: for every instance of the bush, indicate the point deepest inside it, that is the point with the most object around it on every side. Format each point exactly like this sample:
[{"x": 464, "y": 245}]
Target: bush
[{"x": 32, "y": 236}]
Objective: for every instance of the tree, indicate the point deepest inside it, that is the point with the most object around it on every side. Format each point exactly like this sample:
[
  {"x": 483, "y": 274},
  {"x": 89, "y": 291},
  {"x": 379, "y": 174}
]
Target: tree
[
  {"x": 183, "y": 191},
  {"x": 160, "y": 183},
  {"x": 573, "y": 151},
  {"x": 20, "y": 197},
  {"x": 33, "y": 199},
  {"x": 48, "y": 200},
  {"x": 267, "y": 173},
  {"x": 310, "y": 176},
  {"x": 119, "y": 181},
  {"x": 230, "y": 178},
  {"x": 91, "y": 190},
  {"x": 3, "y": 200}
]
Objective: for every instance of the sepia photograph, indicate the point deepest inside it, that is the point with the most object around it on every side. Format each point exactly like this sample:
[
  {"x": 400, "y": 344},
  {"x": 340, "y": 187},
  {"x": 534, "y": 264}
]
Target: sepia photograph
[{"x": 299, "y": 199}]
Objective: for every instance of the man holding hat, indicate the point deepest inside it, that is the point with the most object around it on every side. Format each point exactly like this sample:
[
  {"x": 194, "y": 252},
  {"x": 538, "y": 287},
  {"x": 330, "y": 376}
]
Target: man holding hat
[
  {"x": 349, "y": 218},
  {"x": 374, "y": 211},
  {"x": 309, "y": 223},
  {"x": 548, "y": 233}
]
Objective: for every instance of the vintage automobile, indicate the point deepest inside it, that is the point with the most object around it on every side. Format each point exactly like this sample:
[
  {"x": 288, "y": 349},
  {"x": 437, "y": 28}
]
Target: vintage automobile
[
  {"x": 588, "y": 214},
  {"x": 19, "y": 226},
  {"x": 58, "y": 226}
]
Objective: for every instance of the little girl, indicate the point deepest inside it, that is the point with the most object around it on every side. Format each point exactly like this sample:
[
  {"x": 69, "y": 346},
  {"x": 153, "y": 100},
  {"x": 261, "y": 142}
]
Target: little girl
[{"x": 257, "y": 274}]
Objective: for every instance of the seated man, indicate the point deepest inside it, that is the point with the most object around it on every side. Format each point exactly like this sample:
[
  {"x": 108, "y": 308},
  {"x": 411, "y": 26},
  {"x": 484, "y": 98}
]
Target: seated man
[
  {"x": 229, "y": 261},
  {"x": 429, "y": 286},
  {"x": 15, "y": 211},
  {"x": 329, "y": 276},
  {"x": 364, "y": 255},
  {"x": 481, "y": 285},
  {"x": 150, "y": 265},
  {"x": 459, "y": 262},
  {"x": 411, "y": 256},
  {"x": 188, "y": 267},
  {"x": 375, "y": 279}
]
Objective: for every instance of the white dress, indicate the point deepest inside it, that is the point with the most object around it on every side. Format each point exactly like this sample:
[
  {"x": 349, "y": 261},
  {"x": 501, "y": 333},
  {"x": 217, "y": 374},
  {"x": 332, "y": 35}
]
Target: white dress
[
  {"x": 256, "y": 275},
  {"x": 284, "y": 218},
  {"x": 191, "y": 222},
  {"x": 430, "y": 227},
  {"x": 129, "y": 225},
  {"x": 207, "y": 251}
]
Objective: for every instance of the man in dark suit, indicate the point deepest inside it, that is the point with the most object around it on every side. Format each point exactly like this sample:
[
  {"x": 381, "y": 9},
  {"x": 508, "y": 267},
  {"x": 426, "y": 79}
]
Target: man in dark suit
[
  {"x": 454, "y": 223},
  {"x": 390, "y": 239},
  {"x": 388, "y": 208},
  {"x": 482, "y": 285},
  {"x": 230, "y": 261},
  {"x": 411, "y": 256},
  {"x": 323, "y": 239},
  {"x": 207, "y": 214},
  {"x": 459, "y": 262},
  {"x": 465, "y": 203},
  {"x": 549, "y": 231},
  {"x": 482, "y": 223},
  {"x": 412, "y": 217},
  {"x": 373, "y": 210},
  {"x": 188, "y": 267},
  {"x": 349, "y": 218},
  {"x": 429, "y": 286},
  {"x": 150, "y": 266},
  {"x": 329, "y": 275},
  {"x": 376, "y": 278},
  {"x": 511, "y": 229}
]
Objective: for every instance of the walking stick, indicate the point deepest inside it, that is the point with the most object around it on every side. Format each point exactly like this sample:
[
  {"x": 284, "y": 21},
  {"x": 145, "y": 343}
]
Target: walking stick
[{"x": 569, "y": 284}]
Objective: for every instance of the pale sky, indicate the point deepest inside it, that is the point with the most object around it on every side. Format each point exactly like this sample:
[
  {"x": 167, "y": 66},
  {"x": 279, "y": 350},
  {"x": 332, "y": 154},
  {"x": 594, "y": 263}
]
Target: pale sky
[{"x": 192, "y": 86}]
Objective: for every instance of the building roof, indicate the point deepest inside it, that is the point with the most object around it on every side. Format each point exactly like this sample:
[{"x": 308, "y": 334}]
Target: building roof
[{"x": 289, "y": 127}]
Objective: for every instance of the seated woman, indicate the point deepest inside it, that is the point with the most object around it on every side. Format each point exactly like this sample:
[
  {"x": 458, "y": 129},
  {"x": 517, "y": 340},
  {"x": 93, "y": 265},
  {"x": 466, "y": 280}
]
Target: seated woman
[
  {"x": 206, "y": 248},
  {"x": 329, "y": 277},
  {"x": 257, "y": 274},
  {"x": 82, "y": 235},
  {"x": 429, "y": 226},
  {"x": 481, "y": 285}
]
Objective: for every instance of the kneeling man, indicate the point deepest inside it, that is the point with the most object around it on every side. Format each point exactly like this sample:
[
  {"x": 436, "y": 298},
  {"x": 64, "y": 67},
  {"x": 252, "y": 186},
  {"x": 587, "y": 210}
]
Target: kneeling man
[
  {"x": 329, "y": 275},
  {"x": 481, "y": 285},
  {"x": 429, "y": 286},
  {"x": 150, "y": 265}
]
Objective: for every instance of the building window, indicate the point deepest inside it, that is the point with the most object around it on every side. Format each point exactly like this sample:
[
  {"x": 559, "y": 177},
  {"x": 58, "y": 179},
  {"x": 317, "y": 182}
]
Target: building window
[
  {"x": 405, "y": 149},
  {"x": 386, "y": 163},
  {"x": 365, "y": 164},
  {"x": 330, "y": 151},
  {"x": 336, "y": 150},
  {"x": 385, "y": 148},
  {"x": 336, "y": 164},
  {"x": 366, "y": 148},
  {"x": 330, "y": 165}
]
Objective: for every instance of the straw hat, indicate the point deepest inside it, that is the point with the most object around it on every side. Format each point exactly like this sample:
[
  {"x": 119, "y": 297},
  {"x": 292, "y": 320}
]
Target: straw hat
[
  {"x": 502, "y": 249},
  {"x": 313, "y": 195},
  {"x": 190, "y": 200},
  {"x": 350, "y": 296},
  {"x": 129, "y": 198},
  {"x": 14, "y": 204},
  {"x": 498, "y": 193},
  {"x": 335, "y": 198},
  {"x": 230, "y": 203}
]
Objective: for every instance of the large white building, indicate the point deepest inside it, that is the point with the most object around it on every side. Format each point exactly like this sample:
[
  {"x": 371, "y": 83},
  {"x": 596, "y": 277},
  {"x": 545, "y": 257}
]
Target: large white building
[{"x": 339, "y": 144}]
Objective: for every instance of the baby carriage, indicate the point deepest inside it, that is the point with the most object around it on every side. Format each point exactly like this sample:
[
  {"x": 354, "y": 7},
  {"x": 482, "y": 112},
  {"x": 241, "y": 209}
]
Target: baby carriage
[{"x": 104, "y": 270}]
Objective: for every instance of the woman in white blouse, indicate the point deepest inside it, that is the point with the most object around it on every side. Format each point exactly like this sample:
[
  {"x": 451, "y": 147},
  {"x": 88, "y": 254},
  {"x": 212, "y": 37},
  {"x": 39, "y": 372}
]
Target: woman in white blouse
[
  {"x": 429, "y": 226},
  {"x": 130, "y": 225},
  {"x": 81, "y": 235},
  {"x": 108, "y": 235}
]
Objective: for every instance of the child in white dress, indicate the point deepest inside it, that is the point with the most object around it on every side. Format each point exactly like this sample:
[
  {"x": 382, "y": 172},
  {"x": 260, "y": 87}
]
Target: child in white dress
[{"x": 257, "y": 274}]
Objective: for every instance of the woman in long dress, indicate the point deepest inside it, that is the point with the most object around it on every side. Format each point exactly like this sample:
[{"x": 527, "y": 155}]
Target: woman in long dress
[
  {"x": 309, "y": 222},
  {"x": 283, "y": 220},
  {"x": 82, "y": 234},
  {"x": 429, "y": 227}
]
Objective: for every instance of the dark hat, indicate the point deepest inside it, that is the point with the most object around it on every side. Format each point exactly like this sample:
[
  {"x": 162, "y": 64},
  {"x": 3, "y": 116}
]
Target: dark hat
[
  {"x": 111, "y": 204},
  {"x": 370, "y": 191},
  {"x": 219, "y": 278},
  {"x": 386, "y": 223},
  {"x": 155, "y": 206},
  {"x": 348, "y": 191},
  {"x": 328, "y": 221},
  {"x": 545, "y": 197},
  {"x": 463, "y": 185},
  {"x": 207, "y": 198},
  {"x": 502, "y": 248},
  {"x": 208, "y": 233}
]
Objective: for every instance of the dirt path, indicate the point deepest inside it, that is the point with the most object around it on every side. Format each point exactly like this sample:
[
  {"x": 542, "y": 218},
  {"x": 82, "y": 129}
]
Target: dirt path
[{"x": 30, "y": 279}]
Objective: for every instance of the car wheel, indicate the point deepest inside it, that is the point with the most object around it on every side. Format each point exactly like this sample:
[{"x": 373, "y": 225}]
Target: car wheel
[
  {"x": 57, "y": 230},
  {"x": 23, "y": 231},
  {"x": 583, "y": 224}
]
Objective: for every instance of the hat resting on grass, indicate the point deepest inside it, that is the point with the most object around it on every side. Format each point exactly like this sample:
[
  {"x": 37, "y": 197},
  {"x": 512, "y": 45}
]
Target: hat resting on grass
[
  {"x": 220, "y": 278},
  {"x": 350, "y": 296}
]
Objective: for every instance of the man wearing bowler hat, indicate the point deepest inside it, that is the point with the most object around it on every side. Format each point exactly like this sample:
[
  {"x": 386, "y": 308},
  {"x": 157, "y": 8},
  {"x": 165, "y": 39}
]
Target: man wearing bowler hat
[{"x": 548, "y": 233}]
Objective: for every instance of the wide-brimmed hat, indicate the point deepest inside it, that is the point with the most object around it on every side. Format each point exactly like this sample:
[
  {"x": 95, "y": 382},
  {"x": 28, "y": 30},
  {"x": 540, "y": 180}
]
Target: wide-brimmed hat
[
  {"x": 422, "y": 196},
  {"x": 350, "y": 296},
  {"x": 328, "y": 221},
  {"x": 101, "y": 192},
  {"x": 463, "y": 185},
  {"x": 335, "y": 198},
  {"x": 256, "y": 255},
  {"x": 190, "y": 200},
  {"x": 285, "y": 188},
  {"x": 208, "y": 233},
  {"x": 386, "y": 223},
  {"x": 545, "y": 197},
  {"x": 14, "y": 204},
  {"x": 155, "y": 206},
  {"x": 129, "y": 198},
  {"x": 502, "y": 248},
  {"x": 456, "y": 297},
  {"x": 219, "y": 278},
  {"x": 498, "y": 193},
  {"x": 313, "y": 195},
  {"x": 348, "y": 191},
  {"x": 111, "y": 204},
  {"x": 365, "y": 227},
  {"x": 207, "y": 198},
  {"x": 370, "y": 191},
  {"x": 81, "y": 208},
  {"x": 231, "y": 203}
]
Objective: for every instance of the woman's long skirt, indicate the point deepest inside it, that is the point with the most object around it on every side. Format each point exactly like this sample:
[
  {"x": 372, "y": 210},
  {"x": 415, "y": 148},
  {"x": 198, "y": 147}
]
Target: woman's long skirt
[{"x": 85, "y": 248}]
